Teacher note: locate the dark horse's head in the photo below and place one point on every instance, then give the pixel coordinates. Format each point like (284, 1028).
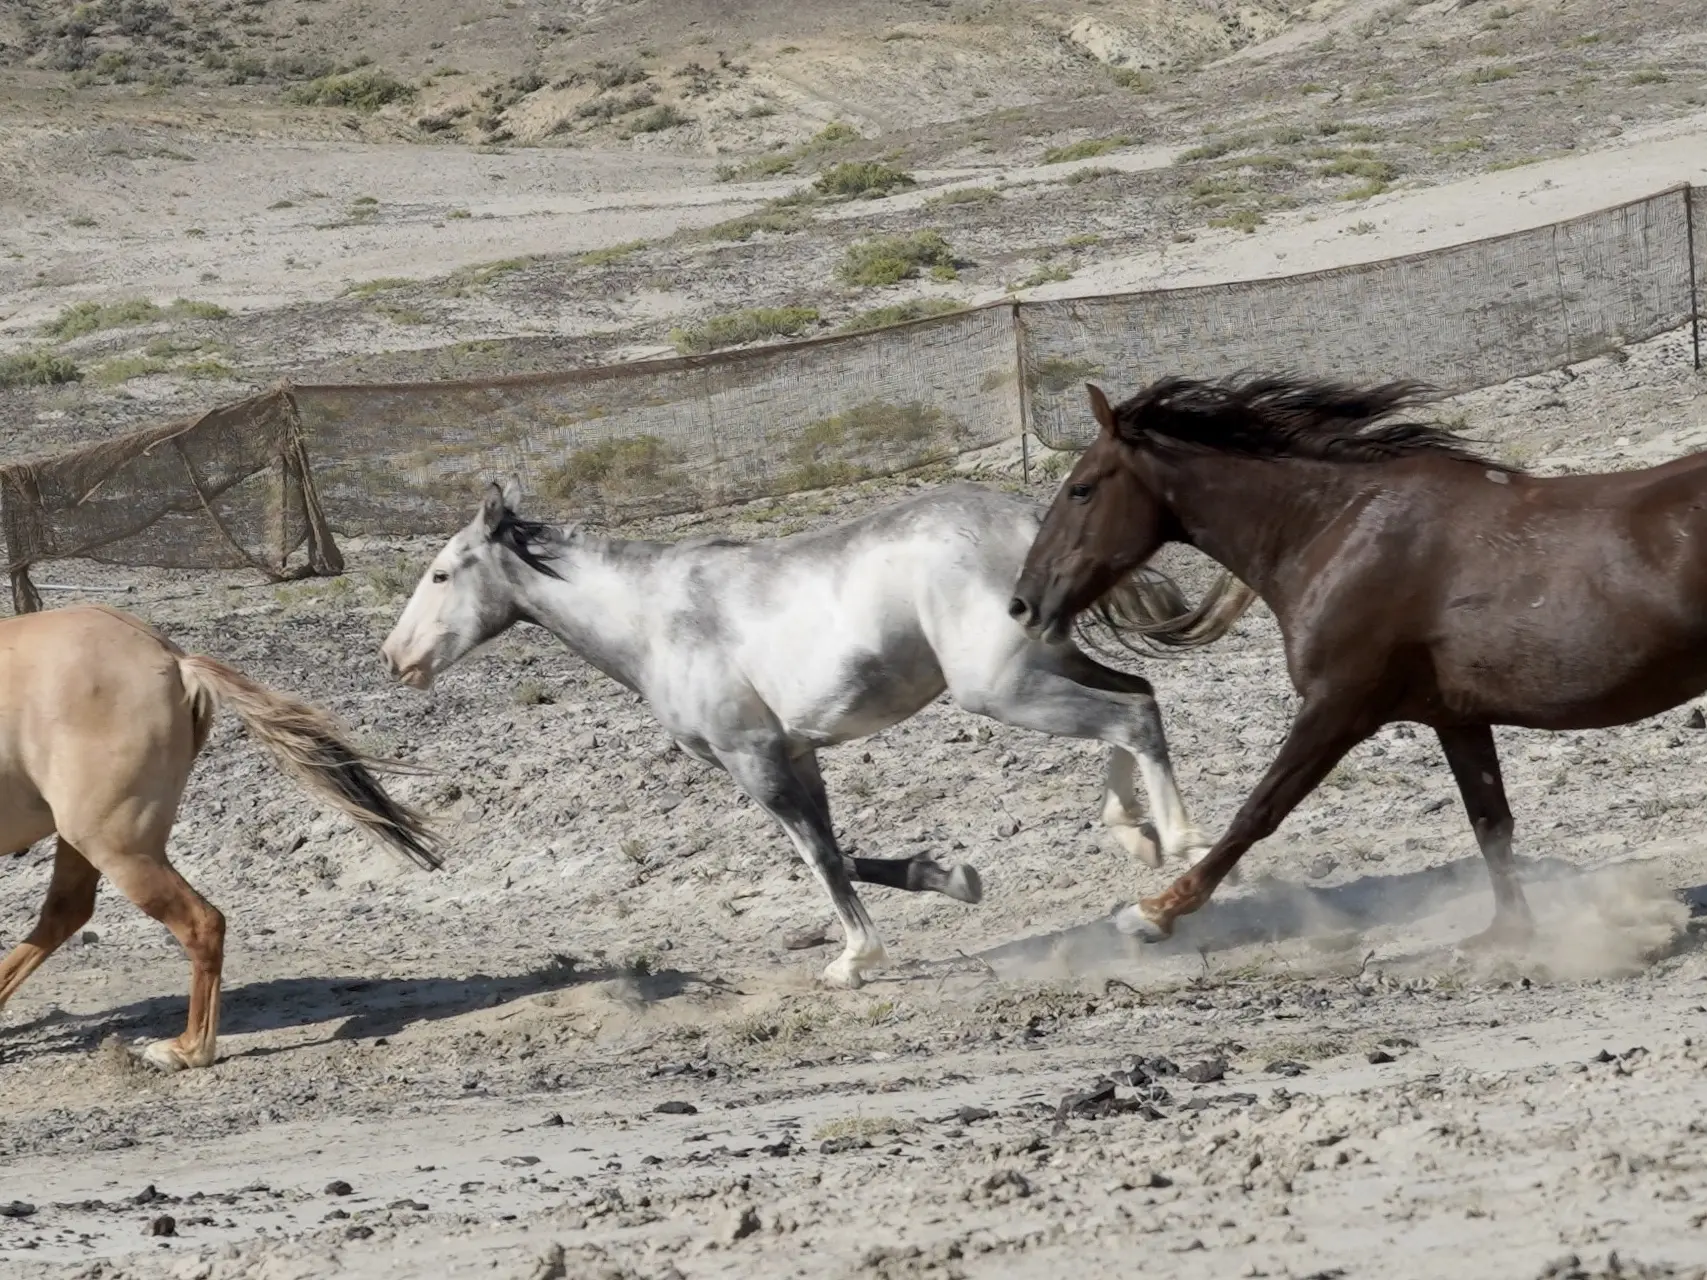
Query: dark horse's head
(1116, 506)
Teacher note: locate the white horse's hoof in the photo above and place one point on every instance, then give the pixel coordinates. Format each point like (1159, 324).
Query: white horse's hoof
(1134, 923)
(964, 885)
(1139, 842)
(848, 971)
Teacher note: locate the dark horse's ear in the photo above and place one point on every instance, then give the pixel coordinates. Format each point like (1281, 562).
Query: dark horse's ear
(493, 508)
(1099, 408)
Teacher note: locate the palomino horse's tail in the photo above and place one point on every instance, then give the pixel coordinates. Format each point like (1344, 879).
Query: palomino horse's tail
(308, 746)
(1150, 606)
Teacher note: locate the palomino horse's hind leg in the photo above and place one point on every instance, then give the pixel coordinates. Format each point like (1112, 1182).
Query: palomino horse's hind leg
(1475, 763)
(776, 782)
(70, 902)
(153, 884)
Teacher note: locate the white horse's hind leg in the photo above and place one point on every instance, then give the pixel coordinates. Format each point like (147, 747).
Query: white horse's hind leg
(1060, 691)
(774, 782)
(1120, 811)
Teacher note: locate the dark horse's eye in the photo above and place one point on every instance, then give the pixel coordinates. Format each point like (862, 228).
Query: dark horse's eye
(1079, 492)
(439, 575)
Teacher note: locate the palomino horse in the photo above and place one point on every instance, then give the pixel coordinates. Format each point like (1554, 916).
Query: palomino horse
(101, 718)
(1412, 580)
(753, 656)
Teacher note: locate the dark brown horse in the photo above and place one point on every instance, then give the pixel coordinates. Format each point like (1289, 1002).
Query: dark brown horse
(1412, 580)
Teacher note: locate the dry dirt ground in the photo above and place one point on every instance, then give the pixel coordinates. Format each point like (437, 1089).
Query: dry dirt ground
(584, 1048)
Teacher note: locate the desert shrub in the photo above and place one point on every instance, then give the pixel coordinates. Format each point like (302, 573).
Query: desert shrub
(366, 89)
(742, 326)
(862, 178)
(888, 260)
(621, 467)
(37, 368)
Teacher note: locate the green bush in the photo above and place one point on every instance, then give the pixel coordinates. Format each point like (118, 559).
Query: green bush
(892, 259)
(635, 467)
(368, 89)
(742, 326)
(862, 178)
(898, 313)
(1084, 149)
(37, 368)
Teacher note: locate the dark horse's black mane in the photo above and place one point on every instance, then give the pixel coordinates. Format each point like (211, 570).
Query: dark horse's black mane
(1281, 416)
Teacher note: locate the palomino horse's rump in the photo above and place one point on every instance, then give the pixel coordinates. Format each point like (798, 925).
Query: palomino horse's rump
(101, 720)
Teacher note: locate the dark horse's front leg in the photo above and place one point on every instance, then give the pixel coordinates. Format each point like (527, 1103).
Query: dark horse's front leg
(1321, 735)
(1476, 766)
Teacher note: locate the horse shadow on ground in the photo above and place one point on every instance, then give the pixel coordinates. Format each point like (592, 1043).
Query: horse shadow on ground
(1276, 911)
(370, 1007)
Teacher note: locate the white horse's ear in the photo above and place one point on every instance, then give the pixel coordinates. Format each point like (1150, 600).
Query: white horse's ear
(492, 509)
(513, 494)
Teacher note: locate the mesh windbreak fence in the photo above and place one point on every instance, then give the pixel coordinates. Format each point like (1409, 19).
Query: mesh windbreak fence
(1458, 318)
(214, 493)
(1698, 273)
(664, 436)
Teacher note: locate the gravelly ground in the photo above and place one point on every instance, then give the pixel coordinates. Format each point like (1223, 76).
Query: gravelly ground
(481, 1054)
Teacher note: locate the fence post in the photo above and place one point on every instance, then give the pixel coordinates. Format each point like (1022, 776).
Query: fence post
(18, 489)
(324, 557)
(1024, 402)
(1694, 283)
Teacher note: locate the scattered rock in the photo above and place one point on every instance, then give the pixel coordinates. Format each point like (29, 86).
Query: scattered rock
(358, 1232)
(971, 1115)
(1206, 1072)
(1286, 1067)
(847, 1142)
(17, 1209)
(1007, 827)
(338, 1187)
(668, 800)
(813, 935)
(1323, 867)
(552, 1121)
(676, 1109)
(519, 1162)
(149, 1195)
(90, 937)
(1378, 1057)
(1697, 719)
(551, 1265)
(1435, 806)
(743, 1223)
(1003, 1186)
(406, 1203)
(164, 1225)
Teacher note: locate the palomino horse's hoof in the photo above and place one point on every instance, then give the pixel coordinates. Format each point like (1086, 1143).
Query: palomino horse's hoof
(165, 1056)
(964, 885)
(1132, 921)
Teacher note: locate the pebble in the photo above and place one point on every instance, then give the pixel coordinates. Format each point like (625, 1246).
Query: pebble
(743, 1223)
(164, 1225)
(338, 1187)
(1379, 1056)
(17, 1209)
(675, 1108)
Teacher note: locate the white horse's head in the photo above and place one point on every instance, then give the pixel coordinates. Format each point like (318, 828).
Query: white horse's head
(467, 595)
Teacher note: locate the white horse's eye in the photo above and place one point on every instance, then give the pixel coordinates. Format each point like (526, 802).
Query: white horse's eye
(439, 575)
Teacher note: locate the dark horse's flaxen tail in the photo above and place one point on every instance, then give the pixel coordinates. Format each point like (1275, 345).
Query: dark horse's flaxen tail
(307, 744)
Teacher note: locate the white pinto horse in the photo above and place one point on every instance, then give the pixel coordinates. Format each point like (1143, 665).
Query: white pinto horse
(754, 655)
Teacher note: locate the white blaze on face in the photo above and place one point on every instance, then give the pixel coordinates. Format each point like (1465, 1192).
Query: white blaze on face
(442, 620)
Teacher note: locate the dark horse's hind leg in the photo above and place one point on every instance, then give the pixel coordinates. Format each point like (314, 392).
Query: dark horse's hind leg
(1476, 765)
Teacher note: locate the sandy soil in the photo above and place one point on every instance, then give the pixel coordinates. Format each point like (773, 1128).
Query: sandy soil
(586, 1047)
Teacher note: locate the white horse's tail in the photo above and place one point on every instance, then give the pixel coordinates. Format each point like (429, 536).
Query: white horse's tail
(1150, 608)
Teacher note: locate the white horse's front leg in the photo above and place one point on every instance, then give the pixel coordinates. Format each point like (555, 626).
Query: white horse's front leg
(773, 780)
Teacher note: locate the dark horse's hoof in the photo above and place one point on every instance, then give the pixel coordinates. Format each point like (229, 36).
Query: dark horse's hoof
(1132, 921)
